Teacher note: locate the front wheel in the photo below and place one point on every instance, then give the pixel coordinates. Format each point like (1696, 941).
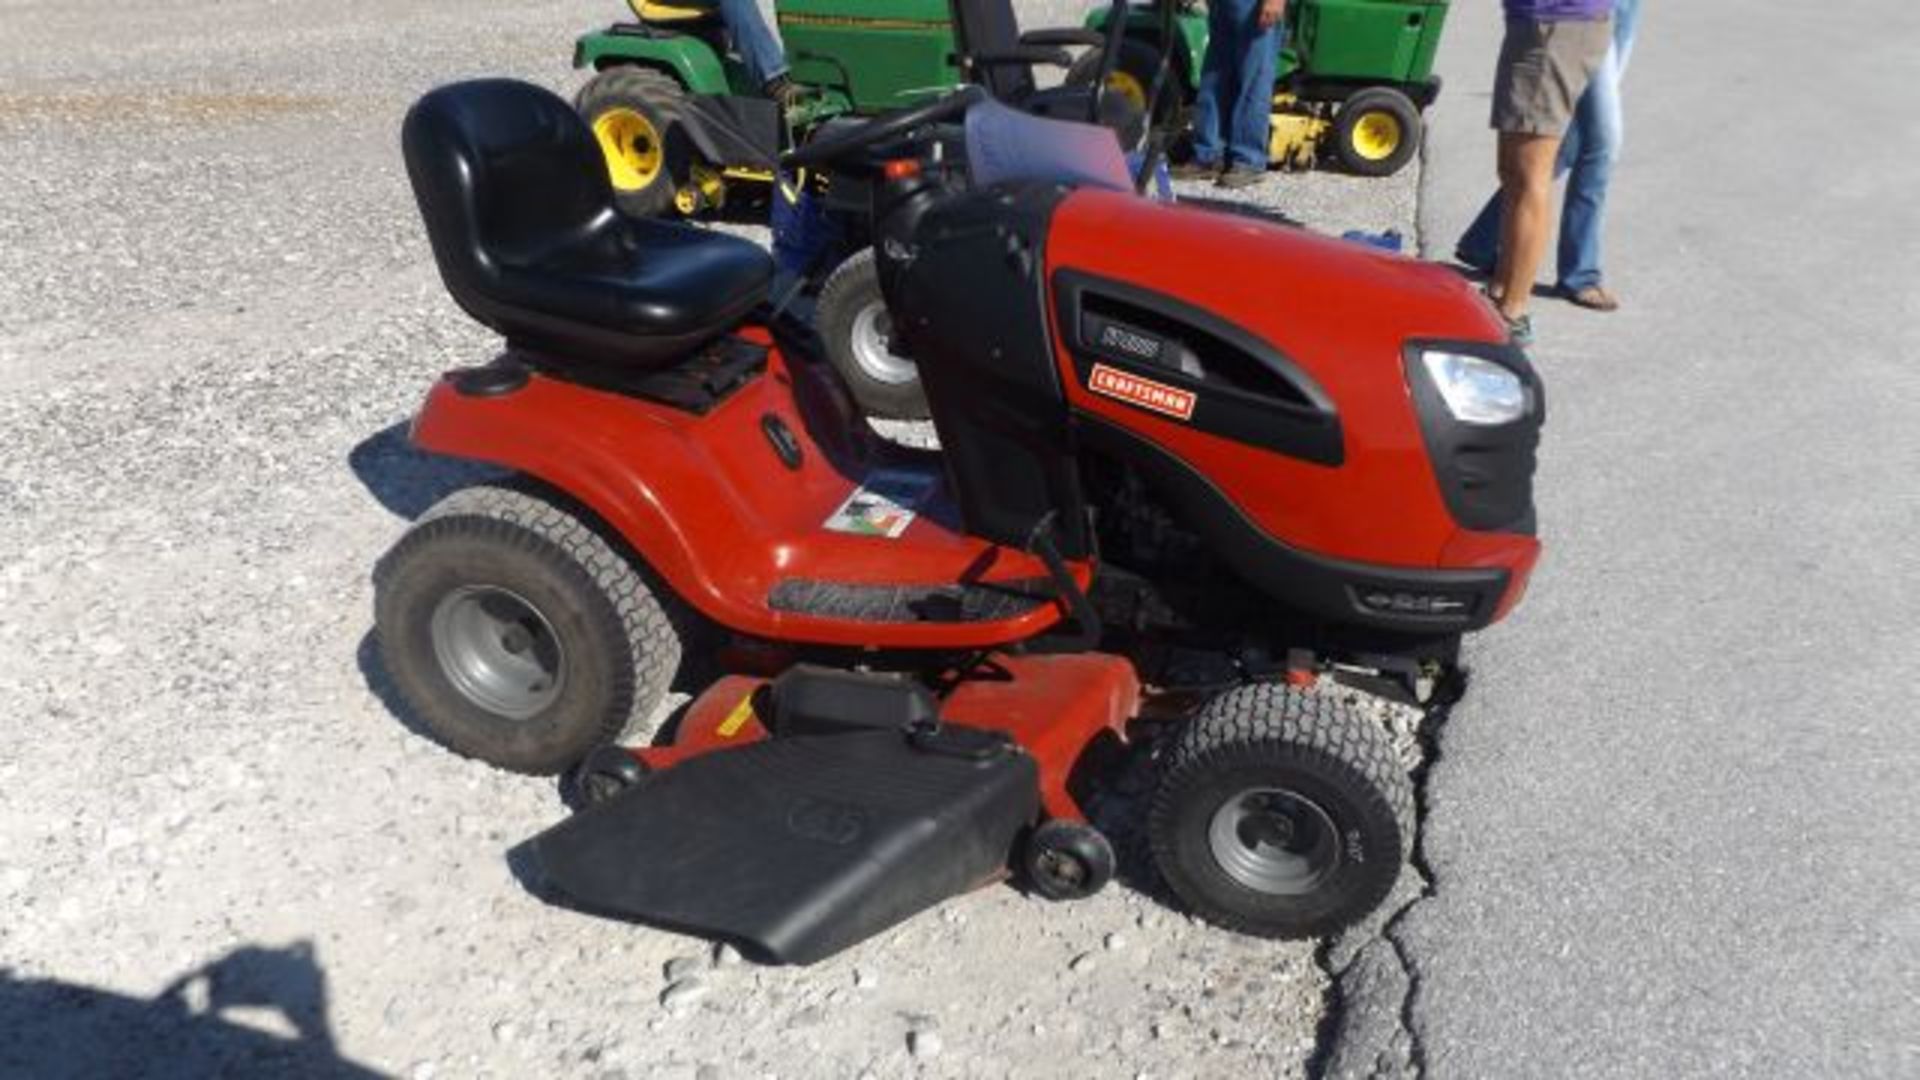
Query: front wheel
(1281, 813)
(517, 633)
(1376, 132)
(857, 332)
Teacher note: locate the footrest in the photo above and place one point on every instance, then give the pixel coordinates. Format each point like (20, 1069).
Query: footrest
(977, 602)
(796, 848)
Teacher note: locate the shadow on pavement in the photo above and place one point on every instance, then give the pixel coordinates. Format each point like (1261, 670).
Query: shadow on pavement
(255, 1012)
(1239, 209)
(374, 670)
(407, 480)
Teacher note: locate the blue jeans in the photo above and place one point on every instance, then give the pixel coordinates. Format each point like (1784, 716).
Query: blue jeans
(1236, 86)
(1587, 154)
(753, 39)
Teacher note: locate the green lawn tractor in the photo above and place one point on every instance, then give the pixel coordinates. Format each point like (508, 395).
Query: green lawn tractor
(675, 112)
(683, 126)
(1352, 78)
(680, 119)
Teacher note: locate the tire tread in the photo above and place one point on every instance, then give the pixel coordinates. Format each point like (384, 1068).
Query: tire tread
(515, 514)
(1317, 730)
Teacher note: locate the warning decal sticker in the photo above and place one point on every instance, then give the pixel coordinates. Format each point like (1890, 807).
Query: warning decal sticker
(885, 504)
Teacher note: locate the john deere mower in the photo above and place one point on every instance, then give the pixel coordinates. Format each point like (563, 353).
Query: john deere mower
(1352, 77)
(682, 124)
(680, 120)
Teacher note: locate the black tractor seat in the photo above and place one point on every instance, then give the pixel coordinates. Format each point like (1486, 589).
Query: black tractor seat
(520, 213)
(995, 54)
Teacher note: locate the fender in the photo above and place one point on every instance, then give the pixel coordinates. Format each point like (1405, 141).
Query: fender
(704, 502)
(691, 61)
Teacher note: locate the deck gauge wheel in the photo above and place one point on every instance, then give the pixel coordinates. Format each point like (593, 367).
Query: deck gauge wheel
(1068, 860)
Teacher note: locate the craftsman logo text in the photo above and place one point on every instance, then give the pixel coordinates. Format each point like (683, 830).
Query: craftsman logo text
(1145, 393)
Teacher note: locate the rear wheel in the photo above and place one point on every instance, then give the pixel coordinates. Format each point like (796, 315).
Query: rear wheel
(634, 113)
(1376, 132)
(1130, 82)
(517, 634)
(1281, 813)
(857, 332)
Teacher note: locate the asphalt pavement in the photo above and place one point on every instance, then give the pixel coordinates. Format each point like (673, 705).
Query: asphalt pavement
(1673, 829)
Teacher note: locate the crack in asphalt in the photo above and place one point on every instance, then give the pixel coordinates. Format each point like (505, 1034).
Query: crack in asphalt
(1428, 735)
(1351, 1042)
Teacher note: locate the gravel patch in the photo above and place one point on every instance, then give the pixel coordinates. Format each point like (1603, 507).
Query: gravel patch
(221, 850)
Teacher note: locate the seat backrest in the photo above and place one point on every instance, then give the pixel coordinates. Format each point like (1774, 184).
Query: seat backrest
(501, 170)
(986, 26)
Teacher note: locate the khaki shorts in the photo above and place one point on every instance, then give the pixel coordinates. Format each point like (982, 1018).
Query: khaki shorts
(1544, 68)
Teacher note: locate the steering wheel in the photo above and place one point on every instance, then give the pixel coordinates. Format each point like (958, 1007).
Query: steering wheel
(884, 128)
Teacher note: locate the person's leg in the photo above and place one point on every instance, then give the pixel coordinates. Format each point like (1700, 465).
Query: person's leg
(1479, 246)
(1593, 143)
(753, 39)
(1543, 71)
(1217, 87)
(1526, 183)
(1626, 24)
(1253, 101)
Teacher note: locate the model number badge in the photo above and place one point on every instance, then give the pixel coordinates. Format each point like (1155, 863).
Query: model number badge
(1134, 390)
(1126, 341)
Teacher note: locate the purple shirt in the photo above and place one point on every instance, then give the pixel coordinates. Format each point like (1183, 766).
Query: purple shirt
(1556, 10)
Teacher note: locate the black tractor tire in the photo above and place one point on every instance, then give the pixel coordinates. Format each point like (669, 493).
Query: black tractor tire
(634, 113)
(495, 566)
(1138, 62)
(856, 331)
(1281, 813)
(1067, 860)
(1376, 132)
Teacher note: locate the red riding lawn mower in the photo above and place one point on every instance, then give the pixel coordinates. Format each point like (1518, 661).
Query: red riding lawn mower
(1189, 464)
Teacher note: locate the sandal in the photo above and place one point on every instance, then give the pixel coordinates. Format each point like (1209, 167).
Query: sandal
(1592, 297)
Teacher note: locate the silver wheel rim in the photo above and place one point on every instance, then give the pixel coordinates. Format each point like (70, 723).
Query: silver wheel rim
(873, 346)
(498, 651)
(1274, 841)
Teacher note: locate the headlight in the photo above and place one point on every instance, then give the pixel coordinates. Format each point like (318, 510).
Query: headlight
(1477, 391)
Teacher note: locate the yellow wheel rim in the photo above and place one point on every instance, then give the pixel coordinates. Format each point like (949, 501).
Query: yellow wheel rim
(1376, 136)
(631, 146)
(1127, 87)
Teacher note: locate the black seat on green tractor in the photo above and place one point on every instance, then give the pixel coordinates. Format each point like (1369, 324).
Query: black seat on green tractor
(521, 217)
(1000, 58)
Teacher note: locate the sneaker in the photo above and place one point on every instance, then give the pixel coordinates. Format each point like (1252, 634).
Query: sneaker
(1519, 327)
(1195, 170)
(1240, 176)
(1519, 330)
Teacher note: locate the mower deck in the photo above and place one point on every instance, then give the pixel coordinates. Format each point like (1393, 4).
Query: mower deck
(842, 805)
(1053, 706)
